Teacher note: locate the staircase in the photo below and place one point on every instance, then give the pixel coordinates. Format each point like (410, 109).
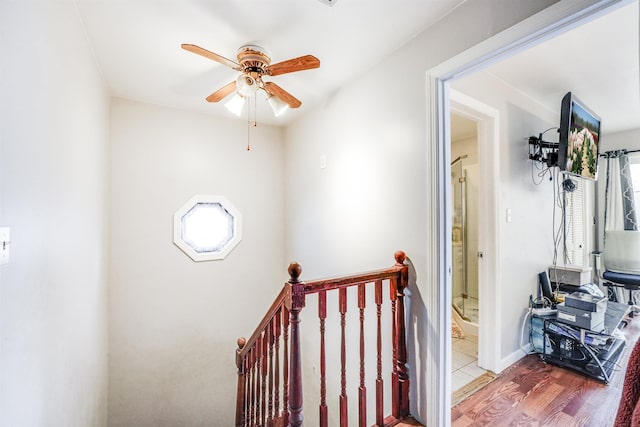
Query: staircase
(270, 362)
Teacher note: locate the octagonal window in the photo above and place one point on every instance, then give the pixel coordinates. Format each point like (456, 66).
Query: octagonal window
(207, 228)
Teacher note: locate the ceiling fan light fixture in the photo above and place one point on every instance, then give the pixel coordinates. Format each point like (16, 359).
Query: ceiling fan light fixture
(235, 104)
(278, 106)
(246, 85)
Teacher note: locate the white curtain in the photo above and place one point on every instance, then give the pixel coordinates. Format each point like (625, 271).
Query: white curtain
(620, 213)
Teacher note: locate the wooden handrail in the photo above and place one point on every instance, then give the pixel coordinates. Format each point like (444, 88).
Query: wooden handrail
(347, 281)
(264, 336)
(277, 304)
(264, 400)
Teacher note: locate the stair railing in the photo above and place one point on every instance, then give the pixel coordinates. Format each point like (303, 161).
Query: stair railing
(270, 389)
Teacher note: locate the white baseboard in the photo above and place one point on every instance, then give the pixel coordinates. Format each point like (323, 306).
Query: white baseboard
(514, 357)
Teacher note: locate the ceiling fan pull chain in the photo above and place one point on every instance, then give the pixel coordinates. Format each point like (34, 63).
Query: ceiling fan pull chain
(255, 122)
(248, 131)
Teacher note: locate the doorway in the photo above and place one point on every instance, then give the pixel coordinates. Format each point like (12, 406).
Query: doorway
(464, 255)
(480, 145)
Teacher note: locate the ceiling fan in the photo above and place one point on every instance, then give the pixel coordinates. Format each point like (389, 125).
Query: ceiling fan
(255, 62)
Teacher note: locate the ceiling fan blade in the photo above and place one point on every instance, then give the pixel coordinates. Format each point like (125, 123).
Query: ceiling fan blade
(213, 56)
(306, 62)
(222, 92)
(276, 90)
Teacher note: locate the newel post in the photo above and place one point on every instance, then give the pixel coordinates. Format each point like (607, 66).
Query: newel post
(295, 302)
(401, 344)
(241, 397)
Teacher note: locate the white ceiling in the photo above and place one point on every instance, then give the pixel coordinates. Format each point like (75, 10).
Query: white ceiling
(137, 45)
(598, 62)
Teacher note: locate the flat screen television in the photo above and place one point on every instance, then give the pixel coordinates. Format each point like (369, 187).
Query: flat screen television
(579, 143)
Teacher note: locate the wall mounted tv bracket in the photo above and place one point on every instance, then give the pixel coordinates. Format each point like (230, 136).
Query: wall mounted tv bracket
(543, 151)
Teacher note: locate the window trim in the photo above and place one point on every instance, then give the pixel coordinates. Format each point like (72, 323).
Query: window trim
(225, 250)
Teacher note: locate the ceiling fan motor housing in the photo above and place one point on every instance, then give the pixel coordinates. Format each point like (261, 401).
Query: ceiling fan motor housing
(254, 60)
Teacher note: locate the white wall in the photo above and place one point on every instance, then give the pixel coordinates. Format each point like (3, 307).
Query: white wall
(465, 146)
(372, 133)
(629, 139)
(371, 198)
(174, 322)
(53, 138)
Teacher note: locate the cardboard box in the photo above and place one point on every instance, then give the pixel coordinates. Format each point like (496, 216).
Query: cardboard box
(592, 320)
(586, 302)
(570, 275)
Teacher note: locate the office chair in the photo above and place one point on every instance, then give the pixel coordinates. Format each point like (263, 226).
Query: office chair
(622, 263)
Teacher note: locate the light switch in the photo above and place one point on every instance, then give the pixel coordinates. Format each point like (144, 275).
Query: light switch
(5, 244)
(509, 217)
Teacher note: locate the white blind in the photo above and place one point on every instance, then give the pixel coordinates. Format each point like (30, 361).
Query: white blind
(575, 225)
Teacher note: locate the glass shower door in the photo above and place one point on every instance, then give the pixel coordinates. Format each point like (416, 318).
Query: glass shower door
(458, 236)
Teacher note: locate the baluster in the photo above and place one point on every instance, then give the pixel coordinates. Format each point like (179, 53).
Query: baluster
(249, 403)
(240, 396)
(263, 368)
(403, 377)
(342, 303)
(252, 390)
(270, 409)
(322, 314)
(285, 368)
(256, 384)
(395, 386)
(258, 379)
(379, 381)
(247, 393)
(362, 390)
(297, 302)
(247, 400)
(276, 408)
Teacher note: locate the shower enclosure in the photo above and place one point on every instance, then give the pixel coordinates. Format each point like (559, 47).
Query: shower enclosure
(464, 268)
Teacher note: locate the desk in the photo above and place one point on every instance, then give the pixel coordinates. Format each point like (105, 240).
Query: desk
(592, 353)
(616, 312)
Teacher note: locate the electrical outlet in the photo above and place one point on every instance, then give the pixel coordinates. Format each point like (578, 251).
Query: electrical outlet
(323, 161)
(5, 244)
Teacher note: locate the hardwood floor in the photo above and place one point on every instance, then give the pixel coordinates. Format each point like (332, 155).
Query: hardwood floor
(532, 393)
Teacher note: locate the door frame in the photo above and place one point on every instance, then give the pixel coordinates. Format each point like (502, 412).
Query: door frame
(488, 124)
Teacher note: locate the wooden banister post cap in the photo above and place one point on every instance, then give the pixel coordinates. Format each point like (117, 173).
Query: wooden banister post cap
(400, 256)
(295, 270)
(242, 341)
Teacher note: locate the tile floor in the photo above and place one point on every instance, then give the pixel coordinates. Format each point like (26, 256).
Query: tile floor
(464, 361)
